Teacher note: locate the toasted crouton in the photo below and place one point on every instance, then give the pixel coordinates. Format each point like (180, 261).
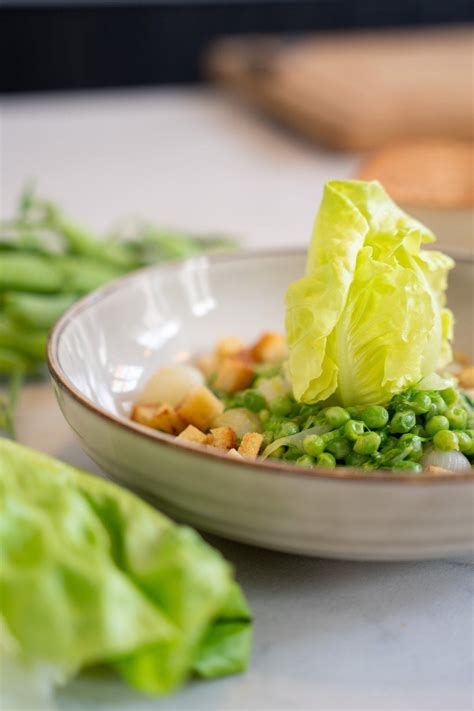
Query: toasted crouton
(200, 407)
(433, 469)
(233, 375)
(229, 346)
(159, 417)
(222, 438)
(270, 348)
(192, 434)
(233, 454)
(207, 364)
(466, 377)
(250, 445)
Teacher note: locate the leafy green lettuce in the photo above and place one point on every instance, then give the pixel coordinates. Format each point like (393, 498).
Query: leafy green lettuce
(90, 574)
(368, 319)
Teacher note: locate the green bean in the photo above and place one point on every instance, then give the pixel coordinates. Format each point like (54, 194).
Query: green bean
(13, 362)
(30, 272)
(36, 310)
(31, 344)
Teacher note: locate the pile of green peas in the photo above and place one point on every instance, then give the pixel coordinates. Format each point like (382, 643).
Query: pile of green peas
(393, 437)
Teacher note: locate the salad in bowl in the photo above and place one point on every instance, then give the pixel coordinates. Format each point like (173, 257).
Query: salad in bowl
(364, 377)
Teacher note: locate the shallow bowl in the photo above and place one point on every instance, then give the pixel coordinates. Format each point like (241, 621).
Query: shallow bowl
(108, 343)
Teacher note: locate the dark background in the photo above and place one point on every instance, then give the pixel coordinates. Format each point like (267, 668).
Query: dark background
(74, 45)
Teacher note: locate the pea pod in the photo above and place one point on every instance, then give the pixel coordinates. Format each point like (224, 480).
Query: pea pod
(39, 311)
(31, 344)
(30, 272)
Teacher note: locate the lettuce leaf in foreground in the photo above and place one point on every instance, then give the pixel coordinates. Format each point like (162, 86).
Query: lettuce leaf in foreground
(368, 319)
(90, 574)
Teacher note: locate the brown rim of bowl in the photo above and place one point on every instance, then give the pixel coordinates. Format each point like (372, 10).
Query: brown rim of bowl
(339, 473)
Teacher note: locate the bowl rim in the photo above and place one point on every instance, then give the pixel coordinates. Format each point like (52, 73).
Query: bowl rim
(272, 468)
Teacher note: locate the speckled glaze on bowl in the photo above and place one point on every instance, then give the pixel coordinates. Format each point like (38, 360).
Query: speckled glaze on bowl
(107, 344)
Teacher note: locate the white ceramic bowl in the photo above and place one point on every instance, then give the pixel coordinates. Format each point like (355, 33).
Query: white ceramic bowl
(107, 344)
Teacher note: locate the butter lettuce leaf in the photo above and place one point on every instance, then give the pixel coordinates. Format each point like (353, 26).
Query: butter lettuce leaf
(368, 318)
(92, 575)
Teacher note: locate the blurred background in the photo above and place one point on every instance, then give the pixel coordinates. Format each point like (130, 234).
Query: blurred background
(224, 115)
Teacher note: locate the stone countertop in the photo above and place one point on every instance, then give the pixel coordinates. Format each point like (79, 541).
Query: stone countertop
(328, 634)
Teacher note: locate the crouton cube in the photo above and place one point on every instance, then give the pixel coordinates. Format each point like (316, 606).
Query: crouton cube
(233, 454)
(229, 346)
(159, 417)
(270, 348)
(192, 434)
(200, 407)
(222, 438)
(207, 364)
(250, 445)
(466, 377)
(433, 469)
(233, 375)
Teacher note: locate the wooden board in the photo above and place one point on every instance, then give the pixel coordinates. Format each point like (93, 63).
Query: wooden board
(356, 90)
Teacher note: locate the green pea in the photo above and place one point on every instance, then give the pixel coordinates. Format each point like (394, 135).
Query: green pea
(287, 429)
(267, 438)
(354, 412)
(326, 460)
(305, 461)
(457, 417)
(375, 416)
(407, 466)
(313, 445)
(355, 460)
(465, 441)
(450, 396)
(402, 421)
(436, 424)
(291, 455)
(438, 402)
(367, 443)
(339, 446)
(353, 429)
(254, 401)
(281, 405)
(336, 416)
(328, 436)
(278, 453)
(420, 402)
(446, 440)
(272, 424)
(264, 415)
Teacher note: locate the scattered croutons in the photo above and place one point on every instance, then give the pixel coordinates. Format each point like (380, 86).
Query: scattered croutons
(159, 417)
(200, 407)
(207, 364)
(232, 375)
(229, 346)
(433, 469)
(466, 377)
(250, 445)
(192, 434)
(270, 348)
(233, 454)
(222, 438)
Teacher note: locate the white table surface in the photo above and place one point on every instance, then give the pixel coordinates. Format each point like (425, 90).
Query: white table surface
(328, 634)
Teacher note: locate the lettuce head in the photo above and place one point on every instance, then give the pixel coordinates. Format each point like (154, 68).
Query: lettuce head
(367, 319)
(91, 575)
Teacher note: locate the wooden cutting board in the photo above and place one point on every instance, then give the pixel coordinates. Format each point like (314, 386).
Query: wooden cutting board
(356, 90)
